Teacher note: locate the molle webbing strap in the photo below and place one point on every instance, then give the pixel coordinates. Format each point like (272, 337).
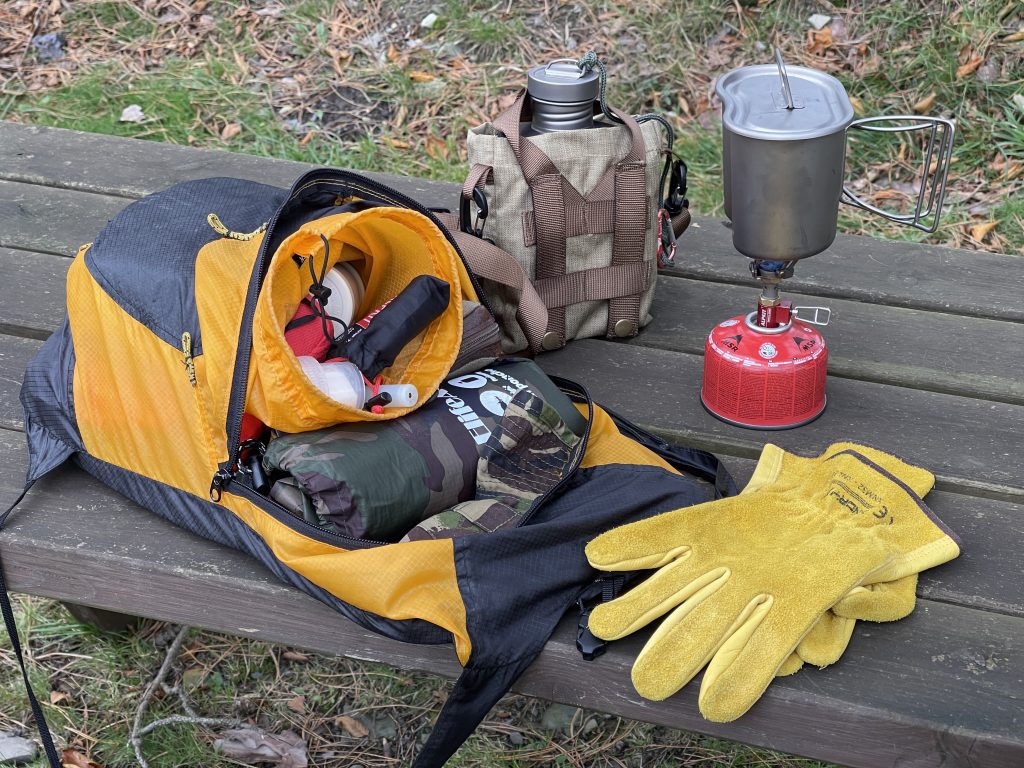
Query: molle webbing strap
(597, 284)
(549, 205)
(545, 184)
(560, 212)
(631, 221)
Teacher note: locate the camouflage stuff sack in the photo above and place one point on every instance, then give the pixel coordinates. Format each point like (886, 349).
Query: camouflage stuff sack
(350, 471)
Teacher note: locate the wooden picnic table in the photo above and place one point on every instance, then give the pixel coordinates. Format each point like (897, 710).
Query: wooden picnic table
(926, 348)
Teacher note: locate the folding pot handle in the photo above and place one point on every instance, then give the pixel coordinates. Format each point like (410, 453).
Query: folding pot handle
(933, 184)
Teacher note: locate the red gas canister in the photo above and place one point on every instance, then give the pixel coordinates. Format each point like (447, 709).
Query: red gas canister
(764, 378)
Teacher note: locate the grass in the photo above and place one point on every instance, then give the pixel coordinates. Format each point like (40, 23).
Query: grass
(350, 712)
(362, 84)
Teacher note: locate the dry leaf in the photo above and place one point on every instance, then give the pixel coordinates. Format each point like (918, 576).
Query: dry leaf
(298, 655)
(297, 705)
(352, 726)
(925, 104)
(397, 143)
(889, 194)
(1016, 37)
(857, 104)
(72, 758)
(392, 53)
(820, 41)
(437, 148)
(979, 231)
(1014, 171)
(56, 697)
(230, 130)
(418, 76)
(303, 142)
(969, 66)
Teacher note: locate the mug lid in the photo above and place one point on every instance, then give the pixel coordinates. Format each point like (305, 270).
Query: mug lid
(562, 82)
(754, 105)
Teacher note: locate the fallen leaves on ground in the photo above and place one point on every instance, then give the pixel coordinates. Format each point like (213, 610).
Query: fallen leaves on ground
(72, 758)
(352, 726)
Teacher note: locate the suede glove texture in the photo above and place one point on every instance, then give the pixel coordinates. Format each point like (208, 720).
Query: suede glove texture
(740, 581)
(888, 601)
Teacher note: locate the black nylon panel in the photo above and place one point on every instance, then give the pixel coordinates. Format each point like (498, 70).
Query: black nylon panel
(213, 522)
(48, 404)
(517, 584)
(145, 257)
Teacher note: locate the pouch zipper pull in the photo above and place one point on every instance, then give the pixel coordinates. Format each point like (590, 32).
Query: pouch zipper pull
(221, 478)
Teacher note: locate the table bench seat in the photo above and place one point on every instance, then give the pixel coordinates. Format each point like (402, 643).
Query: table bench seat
(926, 349)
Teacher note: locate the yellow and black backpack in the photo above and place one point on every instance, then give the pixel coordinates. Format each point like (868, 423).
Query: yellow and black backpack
(174, 331)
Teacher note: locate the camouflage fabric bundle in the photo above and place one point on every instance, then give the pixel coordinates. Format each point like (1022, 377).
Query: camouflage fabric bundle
(378, 480)
(525, 455)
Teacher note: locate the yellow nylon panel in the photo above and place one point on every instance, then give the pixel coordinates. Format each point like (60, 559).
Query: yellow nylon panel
(411, 580)
(390, 247)
(134, 403)
(609, 446)
(222, 275)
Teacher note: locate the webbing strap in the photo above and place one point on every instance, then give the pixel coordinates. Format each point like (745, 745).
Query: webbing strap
(12, 632)
(550, 191)
(631, 223)
(596, 284)
(492, 263)
(549, 203)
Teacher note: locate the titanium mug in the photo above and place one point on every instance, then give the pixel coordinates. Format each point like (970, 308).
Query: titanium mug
(784, 153)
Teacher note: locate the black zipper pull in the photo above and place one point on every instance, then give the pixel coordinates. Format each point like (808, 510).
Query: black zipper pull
(220, 480)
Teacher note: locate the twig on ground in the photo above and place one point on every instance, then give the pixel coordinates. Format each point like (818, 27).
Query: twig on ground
(138, 730)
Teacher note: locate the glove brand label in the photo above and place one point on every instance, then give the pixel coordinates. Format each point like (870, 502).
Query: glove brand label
(858, 498)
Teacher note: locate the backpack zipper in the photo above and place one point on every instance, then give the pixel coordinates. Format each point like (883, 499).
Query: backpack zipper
(227, 470)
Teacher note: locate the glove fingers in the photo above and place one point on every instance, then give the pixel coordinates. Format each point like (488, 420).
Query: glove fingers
(644, 544)
(689, 636)
(748, 661)
(652, 599)
(886, 601)
(827, 640)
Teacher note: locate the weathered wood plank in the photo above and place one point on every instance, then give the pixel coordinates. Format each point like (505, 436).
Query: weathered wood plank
(985, 576)
(48, 220)
(890, 345)
(15, 353)
(861, 268)
(958, 669)
(55, 157)
(936, 351)
(971, 445)
(868, 269)
(32, 292)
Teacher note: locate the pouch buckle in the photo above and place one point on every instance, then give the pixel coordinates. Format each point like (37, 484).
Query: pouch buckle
(481, 217)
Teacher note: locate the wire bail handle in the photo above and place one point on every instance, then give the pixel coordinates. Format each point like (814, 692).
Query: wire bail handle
(930, 195)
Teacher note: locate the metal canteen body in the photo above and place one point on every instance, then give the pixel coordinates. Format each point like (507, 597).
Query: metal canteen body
(562, 97)
(784, 135)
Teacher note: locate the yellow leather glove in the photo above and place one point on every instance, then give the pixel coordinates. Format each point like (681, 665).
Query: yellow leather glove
(889, 601)
(744, 579)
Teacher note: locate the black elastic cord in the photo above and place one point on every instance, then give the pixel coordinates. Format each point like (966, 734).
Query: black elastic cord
(321, 293)
(12, 631)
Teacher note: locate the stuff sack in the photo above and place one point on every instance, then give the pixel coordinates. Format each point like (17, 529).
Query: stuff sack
(174, 336)
(579, 211)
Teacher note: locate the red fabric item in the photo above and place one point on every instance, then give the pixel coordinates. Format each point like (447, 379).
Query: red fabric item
(306, 337)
